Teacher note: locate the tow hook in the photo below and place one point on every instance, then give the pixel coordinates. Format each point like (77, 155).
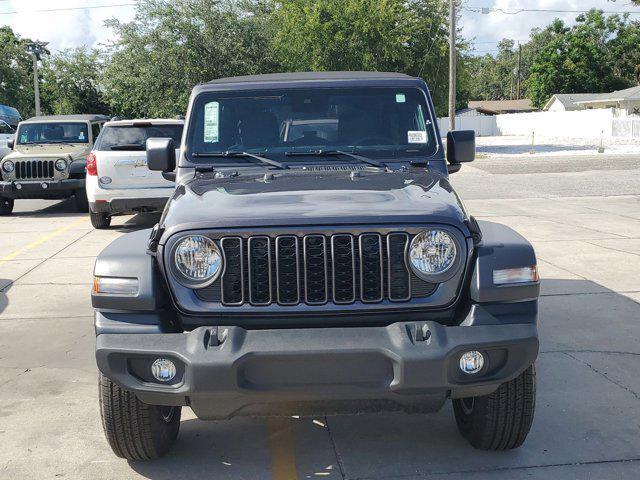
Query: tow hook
(214, 337)
(422, 333)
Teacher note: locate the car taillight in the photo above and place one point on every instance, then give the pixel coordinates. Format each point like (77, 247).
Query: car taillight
(92, 165)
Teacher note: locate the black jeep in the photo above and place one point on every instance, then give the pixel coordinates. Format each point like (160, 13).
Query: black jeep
(315, 260)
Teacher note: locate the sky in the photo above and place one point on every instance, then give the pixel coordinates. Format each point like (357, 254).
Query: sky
(72, 28)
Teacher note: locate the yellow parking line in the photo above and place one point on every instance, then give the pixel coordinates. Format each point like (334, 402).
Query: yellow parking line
(41, 240)
(282, 446)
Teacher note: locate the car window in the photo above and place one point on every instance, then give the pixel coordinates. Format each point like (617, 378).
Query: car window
(129, 137)
(380, 121)
(53, 132)
(95, 130)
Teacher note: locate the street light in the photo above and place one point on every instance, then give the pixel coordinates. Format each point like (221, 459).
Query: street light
(36, 49)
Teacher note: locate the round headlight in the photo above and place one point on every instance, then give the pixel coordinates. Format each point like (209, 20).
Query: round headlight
(432, 253)
(198, 260)
(8, 166)
(61, 164)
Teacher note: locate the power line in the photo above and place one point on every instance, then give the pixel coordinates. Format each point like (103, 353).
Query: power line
(516, 11)
(92, 7)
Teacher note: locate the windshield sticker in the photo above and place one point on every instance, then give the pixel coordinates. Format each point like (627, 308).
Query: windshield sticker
(400, 98)
(417, 137)
(211, 127)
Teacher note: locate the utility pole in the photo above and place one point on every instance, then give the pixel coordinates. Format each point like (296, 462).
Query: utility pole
(452, 64)
(518, 90)
(36, 49)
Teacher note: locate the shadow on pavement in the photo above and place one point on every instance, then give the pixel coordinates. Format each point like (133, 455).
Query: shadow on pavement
(138, 222)
(542, 148)
(5, 286)
(587, 414)
(59, 209)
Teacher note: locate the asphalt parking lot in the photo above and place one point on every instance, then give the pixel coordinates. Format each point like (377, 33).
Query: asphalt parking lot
(585, 225)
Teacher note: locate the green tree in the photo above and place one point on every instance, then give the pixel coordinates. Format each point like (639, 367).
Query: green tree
(588, 57)
(70, 83)
(380, 35)
(16, 73)
(171, 46)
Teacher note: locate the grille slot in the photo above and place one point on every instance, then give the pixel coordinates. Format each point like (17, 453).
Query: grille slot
(315, 269)
(371, 269)
(287, 268)
(259, 270)
(34, 169)
(316, 282)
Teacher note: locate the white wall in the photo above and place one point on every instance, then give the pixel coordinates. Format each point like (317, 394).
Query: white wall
(576, 124)
(573, 124)
(483, 125)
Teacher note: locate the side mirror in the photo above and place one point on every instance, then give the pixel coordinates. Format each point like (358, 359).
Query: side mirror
(161, 154)
(11, 143)
(461, 148)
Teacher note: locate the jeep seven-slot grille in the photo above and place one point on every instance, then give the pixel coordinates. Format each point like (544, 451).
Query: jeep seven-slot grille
(315, 269)
(32, 169)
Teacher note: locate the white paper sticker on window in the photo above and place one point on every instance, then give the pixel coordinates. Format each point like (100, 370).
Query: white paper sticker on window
(400, 98)
(211, 127)
(417, 137)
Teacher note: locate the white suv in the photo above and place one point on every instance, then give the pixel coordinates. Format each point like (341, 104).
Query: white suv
(118, 180)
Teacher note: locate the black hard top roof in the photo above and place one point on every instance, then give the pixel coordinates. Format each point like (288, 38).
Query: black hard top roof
(319, 79)
(68, 118)
(306, 76)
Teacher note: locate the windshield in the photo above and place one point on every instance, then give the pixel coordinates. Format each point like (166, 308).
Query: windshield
(377, 122)
(130, 137)
(5, 128)
(61, 132)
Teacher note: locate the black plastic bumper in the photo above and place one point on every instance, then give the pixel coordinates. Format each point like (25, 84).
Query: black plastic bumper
(129, 205)
(41, 188)
(228, 371)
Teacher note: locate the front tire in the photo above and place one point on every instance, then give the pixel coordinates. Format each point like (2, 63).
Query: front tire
(502, 419)
(100, 220)
(82, 202)
(6, 206)
(135, 430)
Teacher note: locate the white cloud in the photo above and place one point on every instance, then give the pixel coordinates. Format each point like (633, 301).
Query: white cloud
(63, 29)
(489, 29)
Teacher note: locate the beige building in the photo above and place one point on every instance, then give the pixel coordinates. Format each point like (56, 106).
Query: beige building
(627, 100)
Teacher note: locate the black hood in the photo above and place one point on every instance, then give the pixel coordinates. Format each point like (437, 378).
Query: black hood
(308, 198)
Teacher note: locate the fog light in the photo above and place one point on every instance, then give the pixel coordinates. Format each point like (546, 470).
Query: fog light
(44, 185)
(163, 369)
(471, 362)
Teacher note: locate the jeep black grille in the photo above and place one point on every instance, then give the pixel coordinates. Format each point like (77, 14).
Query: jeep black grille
(315, 269)
(34, 169)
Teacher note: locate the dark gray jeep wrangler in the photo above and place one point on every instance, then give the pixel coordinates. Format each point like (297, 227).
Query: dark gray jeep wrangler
(315, 260)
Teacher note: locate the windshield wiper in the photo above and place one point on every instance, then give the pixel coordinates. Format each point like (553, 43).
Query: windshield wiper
(130, 146)
(268, 161)
(335, 153)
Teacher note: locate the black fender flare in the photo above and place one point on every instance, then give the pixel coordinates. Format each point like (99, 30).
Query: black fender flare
(501, 248)
(127, 257)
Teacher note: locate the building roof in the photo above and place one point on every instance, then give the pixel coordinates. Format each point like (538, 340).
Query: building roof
(569, 100)
(625, 95)
(67, 118)
(493, 107)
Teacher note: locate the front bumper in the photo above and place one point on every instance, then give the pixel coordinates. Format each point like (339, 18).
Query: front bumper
(41, 188)
(228, 371)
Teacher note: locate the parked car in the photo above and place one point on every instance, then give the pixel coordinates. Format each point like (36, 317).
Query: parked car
(48, 159)
(118, 180)
(7, 133)
(339, 277)
(10, 115)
